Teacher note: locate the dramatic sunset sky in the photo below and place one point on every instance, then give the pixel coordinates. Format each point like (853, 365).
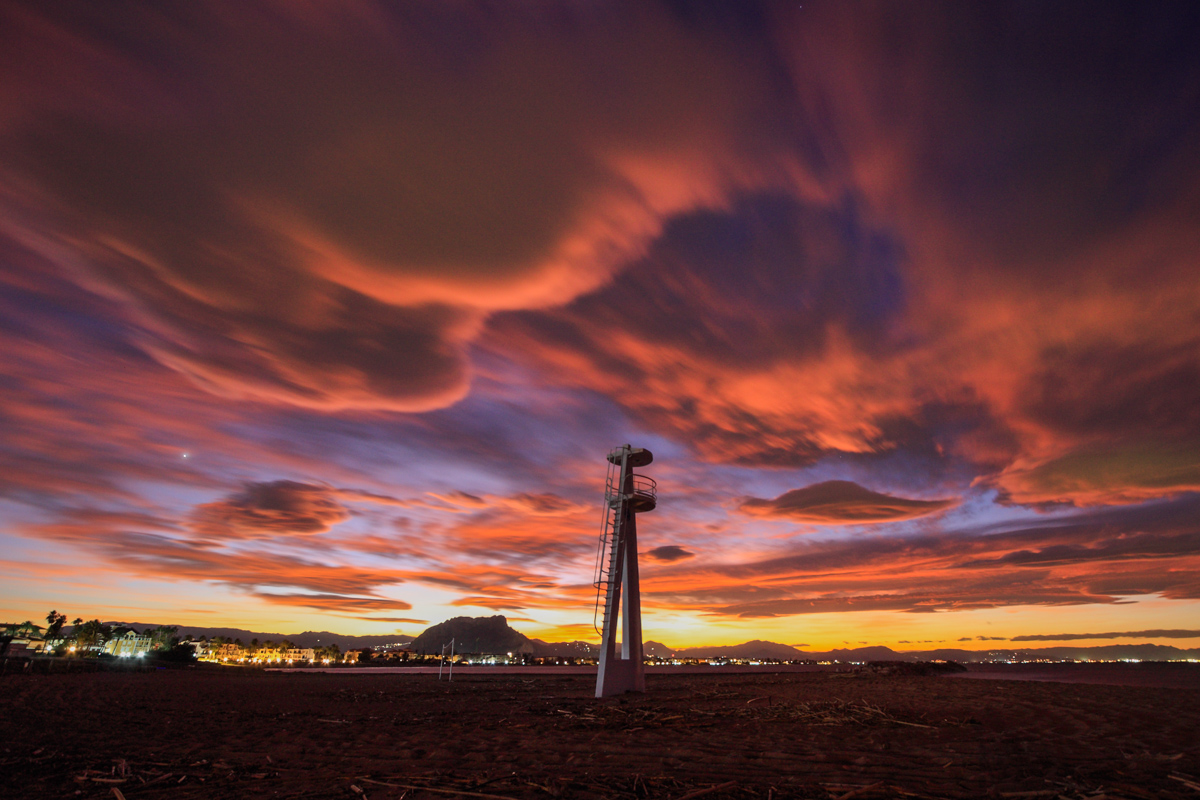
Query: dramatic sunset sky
(323, 315)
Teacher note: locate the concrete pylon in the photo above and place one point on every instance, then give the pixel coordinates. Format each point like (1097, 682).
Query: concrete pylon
(626, 495)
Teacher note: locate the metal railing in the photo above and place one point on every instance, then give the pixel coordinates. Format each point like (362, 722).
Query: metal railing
(645, 489)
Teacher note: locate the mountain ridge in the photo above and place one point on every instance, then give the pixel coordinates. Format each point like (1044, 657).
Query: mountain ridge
(303, 639)
(487, 634)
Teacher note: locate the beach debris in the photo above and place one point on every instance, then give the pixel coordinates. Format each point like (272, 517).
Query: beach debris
(764, 708)
(709, 790)
(860, 790)
(1191, 784)
(436, 790)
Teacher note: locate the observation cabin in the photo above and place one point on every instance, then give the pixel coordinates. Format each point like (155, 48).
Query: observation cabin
(643, 491)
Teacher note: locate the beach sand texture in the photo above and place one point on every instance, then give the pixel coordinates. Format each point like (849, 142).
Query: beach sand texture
(228, 733)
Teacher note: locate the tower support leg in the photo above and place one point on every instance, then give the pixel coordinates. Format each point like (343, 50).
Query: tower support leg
(622, 671)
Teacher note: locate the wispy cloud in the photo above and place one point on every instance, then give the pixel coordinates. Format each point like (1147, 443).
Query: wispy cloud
(1175, 633)
(841, 503)
(1084, 558)
(411, 219)
(335, 602)
(151, 547)
(278, 507)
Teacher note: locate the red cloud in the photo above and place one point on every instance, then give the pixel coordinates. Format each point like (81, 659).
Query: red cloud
(1030, 318)
(546, 504)
(322, 209)
(154, 548)
(336, 602)
(1081, 559)
(265, 509)
(1154, 634)
(841, 503)
(767, 251)
(1107, 473)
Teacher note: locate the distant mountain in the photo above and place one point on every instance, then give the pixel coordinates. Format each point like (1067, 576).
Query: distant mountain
(1144, 652)
(305, 639)
(587, 649)
(493, 635)
(878, 653)
(473, 635)
(576, 649)
(949, 654)
(657, 649)
(1110, 652)
(753, 649)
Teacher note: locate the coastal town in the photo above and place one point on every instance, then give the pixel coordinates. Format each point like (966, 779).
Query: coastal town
(481, 641)
(93, 639)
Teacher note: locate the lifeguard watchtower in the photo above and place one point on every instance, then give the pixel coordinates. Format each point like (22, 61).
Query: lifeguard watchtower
(626, 495)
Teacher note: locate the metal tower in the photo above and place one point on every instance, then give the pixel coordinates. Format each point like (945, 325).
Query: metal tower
(625, 495)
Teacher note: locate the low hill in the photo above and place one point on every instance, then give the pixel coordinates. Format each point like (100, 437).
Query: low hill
(1110, 652)
(588, 649)
(305, 639)
(657, 649)
(473, 635)
(576, 649)
(862, 654)
(753, 649)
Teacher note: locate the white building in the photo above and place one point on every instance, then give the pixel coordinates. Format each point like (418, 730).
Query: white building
(130, 644)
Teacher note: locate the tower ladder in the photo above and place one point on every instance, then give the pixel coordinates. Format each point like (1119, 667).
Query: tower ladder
(606, 548)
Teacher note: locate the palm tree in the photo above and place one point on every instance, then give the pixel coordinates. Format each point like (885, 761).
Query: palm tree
(164, 637)
(91, 633)
(55, 622)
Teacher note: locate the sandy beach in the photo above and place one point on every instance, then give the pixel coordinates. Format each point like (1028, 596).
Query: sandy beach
(1156, 674)
(231, 733)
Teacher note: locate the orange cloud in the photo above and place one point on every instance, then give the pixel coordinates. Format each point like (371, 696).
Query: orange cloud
(841, 503)
(285, 507)
(334, 602)
(153, 547)
(1155, 634)
(291, 225)
(783, 243)
(1077, 558)
(500, 588)
(1110, 473)
(459, 500)
(1007, 314)
(545, 504)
